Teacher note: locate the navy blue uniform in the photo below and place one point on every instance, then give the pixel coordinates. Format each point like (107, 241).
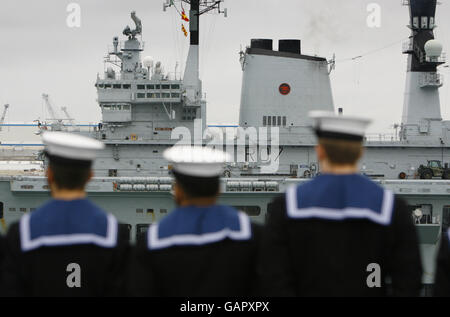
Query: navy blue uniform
(197, 251)
(66, 248)
(442, 279)
(322, 237)
(2, 254)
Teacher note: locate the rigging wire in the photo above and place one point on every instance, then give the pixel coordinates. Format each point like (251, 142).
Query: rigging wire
(343, 60)
(207, 39)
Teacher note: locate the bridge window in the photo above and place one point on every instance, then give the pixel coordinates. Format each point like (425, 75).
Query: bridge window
(157, 86)
(141, 87)
(139, 211)
(264, 121)
(1, 210)
(150, 86)
(12, 209)
(284, 121)
(424, 22)
(166, 95)
(141, 95)
(108, 86)
(175, 95)
(175, 86)
(23, 210)
(126, 86)
(279, 121)
(163, 211)
(165, 86)
(269, 120)
(115, 86)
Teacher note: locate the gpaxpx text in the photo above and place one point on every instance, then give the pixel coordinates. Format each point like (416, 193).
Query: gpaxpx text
(247, 306)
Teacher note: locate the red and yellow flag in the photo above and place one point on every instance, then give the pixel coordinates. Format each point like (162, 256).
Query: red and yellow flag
(184, 16)
(184, 30)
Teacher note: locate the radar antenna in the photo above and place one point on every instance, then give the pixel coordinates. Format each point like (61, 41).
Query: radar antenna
(138, 30)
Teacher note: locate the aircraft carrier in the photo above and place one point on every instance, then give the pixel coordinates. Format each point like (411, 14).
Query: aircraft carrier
(145, 111)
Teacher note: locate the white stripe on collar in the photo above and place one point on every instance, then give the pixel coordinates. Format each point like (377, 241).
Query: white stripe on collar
(154, 242)
(68, 239)
(383, 218)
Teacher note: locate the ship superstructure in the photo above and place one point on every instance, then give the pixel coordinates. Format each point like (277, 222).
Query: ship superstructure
(145, 111)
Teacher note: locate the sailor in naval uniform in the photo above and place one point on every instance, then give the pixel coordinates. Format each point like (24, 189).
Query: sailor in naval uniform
(442, 278)
(69, 246)
(200, 248)
(340, 234)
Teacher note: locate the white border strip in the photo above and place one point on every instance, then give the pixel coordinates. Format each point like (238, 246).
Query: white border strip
(57, 240)
(154, 242)
(383, 218)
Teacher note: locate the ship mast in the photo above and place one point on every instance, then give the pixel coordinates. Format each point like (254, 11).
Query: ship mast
(421, 110)
(191, 79)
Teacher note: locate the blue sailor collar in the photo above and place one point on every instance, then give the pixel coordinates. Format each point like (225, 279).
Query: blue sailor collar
(340, 197)
(60, 223)
(199, 226)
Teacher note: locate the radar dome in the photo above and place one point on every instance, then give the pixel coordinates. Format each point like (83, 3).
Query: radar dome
(433, 48)
(148, 61)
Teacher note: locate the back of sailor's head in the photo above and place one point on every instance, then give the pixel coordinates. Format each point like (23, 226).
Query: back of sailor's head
(70, 157)
(340, 136)
(197, 169)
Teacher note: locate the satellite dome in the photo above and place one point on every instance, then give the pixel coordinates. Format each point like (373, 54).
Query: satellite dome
(148, 61)
(433, 48)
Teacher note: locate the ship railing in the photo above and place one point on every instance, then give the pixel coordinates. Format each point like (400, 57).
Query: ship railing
(121, 46)
(439, 59)
(382, 137)
(431, 80)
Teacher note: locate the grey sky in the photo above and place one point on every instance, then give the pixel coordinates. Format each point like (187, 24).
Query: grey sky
(41, 54)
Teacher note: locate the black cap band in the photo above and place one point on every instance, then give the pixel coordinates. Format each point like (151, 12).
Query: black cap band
(338, 135)
(66, 161)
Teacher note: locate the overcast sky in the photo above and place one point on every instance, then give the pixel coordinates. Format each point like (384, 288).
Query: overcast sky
(40, 53)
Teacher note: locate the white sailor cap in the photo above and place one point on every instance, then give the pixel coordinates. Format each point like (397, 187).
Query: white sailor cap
(196, 161)
(329, 125)
(71, 146)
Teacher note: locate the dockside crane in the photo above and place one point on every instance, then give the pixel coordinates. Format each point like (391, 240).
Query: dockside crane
(57, 124)
(69, 118)
(2, 119)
